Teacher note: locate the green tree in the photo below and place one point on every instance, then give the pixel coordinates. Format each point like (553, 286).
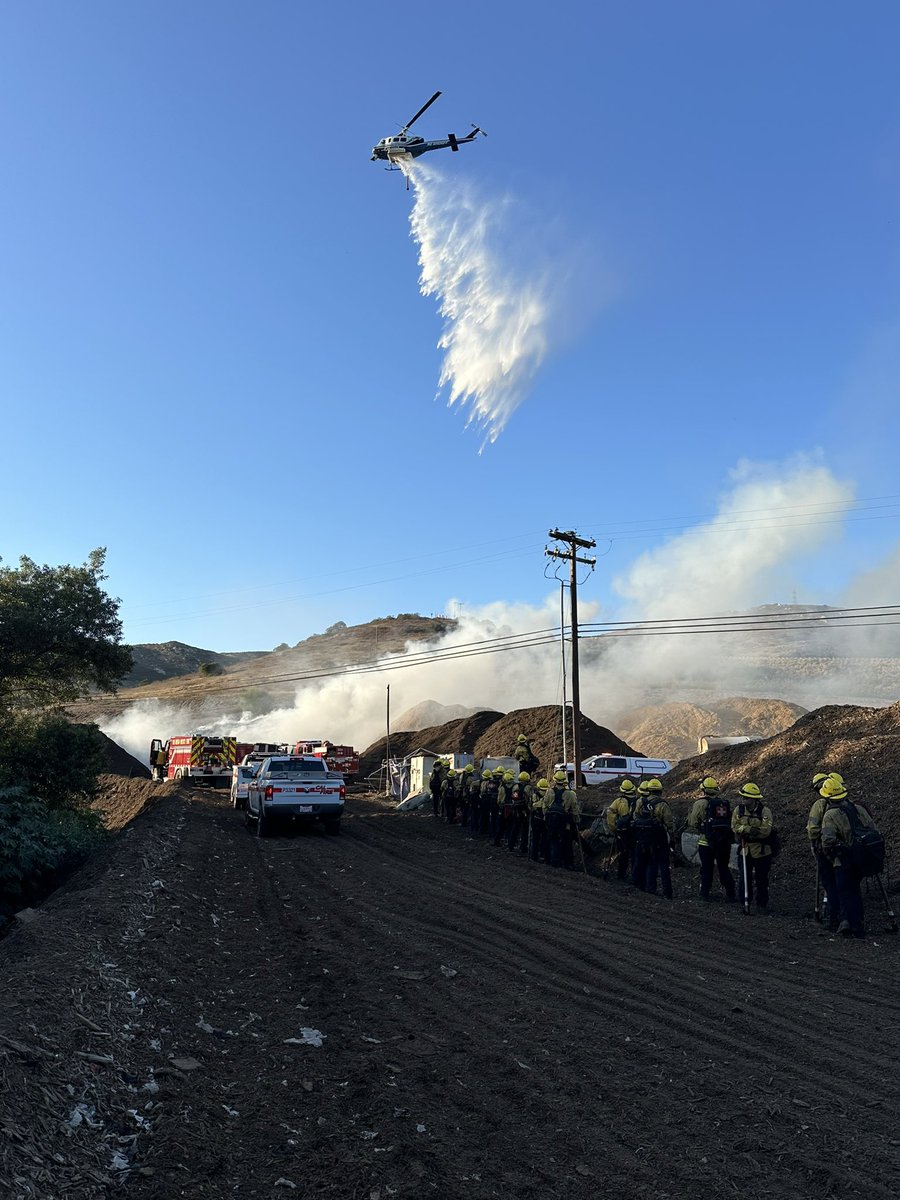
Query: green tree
(211, 668)
(60, 634)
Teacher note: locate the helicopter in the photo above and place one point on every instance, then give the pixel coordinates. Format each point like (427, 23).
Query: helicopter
(401, 147)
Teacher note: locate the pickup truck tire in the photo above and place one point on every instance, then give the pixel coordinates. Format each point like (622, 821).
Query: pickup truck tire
(333, 826)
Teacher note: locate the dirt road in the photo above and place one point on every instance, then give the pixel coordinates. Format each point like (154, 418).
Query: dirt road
(489, 1028)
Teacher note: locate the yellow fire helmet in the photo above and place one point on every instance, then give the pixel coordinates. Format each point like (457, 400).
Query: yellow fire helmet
(468, 769)
(543, 785)
(524, 777)
(560, 777)
(626, 787)
(499, 772)
(486, 774)
(833, 791)
(750, 791)
(521, 738)
(653, 785)
(709, 785)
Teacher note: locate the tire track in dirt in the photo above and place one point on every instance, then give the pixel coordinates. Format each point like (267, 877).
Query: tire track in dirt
(486, 938)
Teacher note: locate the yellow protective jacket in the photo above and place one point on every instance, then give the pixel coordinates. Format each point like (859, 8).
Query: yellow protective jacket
(836, 830)
(697, 819)
(753, 828)
(814, 821)
(537, 801)
(620, 807)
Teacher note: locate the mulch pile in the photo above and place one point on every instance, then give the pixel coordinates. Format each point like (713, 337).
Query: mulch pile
(493, 735)
(543, 728)
(672, 730)
(120, 762)
(121, 800)
(863, 744)
(453, 737)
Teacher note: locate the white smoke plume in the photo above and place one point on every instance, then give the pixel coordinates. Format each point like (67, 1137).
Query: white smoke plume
(497, 311)
(773, 517)
(770, 521)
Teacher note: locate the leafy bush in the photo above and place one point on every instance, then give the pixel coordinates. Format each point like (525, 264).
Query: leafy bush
(39, 846)
(211, 668)
(47, 755)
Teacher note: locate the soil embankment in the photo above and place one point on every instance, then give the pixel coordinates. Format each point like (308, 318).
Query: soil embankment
(490, 1027)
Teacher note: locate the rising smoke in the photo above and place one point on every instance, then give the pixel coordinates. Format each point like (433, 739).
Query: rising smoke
(499, 313)
(769, 521)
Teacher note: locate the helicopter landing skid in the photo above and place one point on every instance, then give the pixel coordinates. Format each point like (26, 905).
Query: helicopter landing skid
(394, 168)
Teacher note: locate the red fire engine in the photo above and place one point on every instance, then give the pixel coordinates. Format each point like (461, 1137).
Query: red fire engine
(196, 757)
(344, 760)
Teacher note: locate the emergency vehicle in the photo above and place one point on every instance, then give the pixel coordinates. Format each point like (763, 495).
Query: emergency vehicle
(196, 757)
(343, 760)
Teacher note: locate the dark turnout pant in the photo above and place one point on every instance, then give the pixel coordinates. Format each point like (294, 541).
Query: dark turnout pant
(711, 857)
(538, 838)
(758, 877)
(828, 880)
(848, 885)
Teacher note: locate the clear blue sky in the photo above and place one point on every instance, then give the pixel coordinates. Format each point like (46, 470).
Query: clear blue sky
(214, 359)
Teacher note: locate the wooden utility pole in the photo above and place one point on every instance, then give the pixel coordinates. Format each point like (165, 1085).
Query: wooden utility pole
(574, 542)
(387, 751)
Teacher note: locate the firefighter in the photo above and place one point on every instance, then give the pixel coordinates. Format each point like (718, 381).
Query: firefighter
(653, 826)
(517, 832)
(561, 814)
(464, 794)
(827, 877)
(449, 789)
(751, 823)
(477, 803)
(524, 755)
(619, 817)
(840, 844)
(711, 819)
(159, 764)
(495, 827)
(537, 824)
(435, 781)
(488, 801)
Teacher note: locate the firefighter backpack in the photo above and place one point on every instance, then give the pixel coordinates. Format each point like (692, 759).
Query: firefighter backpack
(866, 851)
(717, 826)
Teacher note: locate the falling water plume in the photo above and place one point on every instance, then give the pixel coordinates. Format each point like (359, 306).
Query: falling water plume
(496, 313)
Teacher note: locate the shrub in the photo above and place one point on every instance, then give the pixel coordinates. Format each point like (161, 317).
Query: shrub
(40, 846)
(211, 668)
(47, 755)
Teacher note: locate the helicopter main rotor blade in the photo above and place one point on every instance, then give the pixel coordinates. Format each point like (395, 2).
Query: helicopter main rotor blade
(409, 124)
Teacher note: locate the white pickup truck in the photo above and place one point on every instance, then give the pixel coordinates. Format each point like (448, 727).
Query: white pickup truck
(295, 787)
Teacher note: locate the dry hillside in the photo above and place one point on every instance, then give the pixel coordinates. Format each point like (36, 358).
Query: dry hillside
(671, 730)
(267, 678)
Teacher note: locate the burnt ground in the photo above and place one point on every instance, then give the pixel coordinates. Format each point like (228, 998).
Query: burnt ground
(492, 1028)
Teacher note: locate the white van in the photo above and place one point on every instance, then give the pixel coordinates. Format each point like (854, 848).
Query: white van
(601, 767)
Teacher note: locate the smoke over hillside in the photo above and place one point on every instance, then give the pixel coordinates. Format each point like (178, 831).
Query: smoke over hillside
(769, 522)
